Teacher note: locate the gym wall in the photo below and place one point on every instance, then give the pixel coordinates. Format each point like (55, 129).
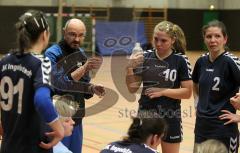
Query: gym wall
(191, 21)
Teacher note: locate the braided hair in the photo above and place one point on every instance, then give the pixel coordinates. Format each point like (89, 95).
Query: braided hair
(29, 27)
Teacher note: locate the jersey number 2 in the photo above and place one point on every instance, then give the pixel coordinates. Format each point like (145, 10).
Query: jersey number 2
(9, 94)
(216, 81)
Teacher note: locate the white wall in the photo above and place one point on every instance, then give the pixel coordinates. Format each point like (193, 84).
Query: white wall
(182, 4)
(231, 4)
(27, 2)
(191, 4)
(123, 3)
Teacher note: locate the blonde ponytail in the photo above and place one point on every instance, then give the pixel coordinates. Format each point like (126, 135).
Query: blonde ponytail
(175, 32)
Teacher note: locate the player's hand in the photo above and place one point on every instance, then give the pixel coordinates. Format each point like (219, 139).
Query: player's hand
(235, 101)
(232, 118)
(93, 63)
(154, 92)
(98, 90)
(55, 139)
(135, 60)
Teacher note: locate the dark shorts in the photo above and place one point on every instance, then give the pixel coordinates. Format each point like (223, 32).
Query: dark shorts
(232, 143)
(174, 132)
(212, 128)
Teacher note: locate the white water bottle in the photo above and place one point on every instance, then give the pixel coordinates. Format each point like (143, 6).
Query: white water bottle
(137, 48)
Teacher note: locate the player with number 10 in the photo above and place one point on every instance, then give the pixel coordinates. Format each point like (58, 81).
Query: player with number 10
(166, 76)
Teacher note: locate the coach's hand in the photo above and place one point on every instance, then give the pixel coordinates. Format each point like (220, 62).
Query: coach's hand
(93, 63)
(98, 90)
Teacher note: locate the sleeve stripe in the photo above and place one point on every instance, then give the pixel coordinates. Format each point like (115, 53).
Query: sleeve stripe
(46, 68)
(234, 58)
(188, 64)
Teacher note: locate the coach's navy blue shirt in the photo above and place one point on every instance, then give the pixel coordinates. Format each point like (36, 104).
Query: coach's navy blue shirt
(69, 59)
(218, 81)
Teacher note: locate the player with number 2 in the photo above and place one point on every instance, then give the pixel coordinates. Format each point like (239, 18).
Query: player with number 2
(216, 78)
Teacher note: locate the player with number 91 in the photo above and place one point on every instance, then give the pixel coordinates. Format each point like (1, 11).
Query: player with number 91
(26, 104)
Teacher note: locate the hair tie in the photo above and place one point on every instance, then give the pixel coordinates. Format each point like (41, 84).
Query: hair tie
(42, 23)
(36, 22)
(168, 27)
(28, 14)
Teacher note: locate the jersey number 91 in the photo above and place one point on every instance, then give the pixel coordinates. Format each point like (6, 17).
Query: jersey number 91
(8, 94)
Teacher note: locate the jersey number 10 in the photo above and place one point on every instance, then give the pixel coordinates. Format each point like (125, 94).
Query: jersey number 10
(9, 94)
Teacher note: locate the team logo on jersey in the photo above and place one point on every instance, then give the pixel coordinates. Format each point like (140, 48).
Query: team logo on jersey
(210, 70)
(160, 66)
(118, 149)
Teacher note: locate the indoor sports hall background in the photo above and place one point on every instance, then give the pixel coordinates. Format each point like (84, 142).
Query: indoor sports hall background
(113, 27)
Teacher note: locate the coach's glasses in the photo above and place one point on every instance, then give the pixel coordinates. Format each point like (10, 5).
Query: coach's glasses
(74, 35)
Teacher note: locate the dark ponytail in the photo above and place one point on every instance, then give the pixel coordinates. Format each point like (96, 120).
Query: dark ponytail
(29, 27)
(142, 128)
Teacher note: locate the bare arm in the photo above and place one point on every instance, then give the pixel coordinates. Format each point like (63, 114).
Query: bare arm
(92, 63)
(195, 94)
(184, 92)
(235, 101)
(78, 73)
(133, 82)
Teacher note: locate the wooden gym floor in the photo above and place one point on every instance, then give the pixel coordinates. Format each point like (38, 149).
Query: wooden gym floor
(101, 128)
